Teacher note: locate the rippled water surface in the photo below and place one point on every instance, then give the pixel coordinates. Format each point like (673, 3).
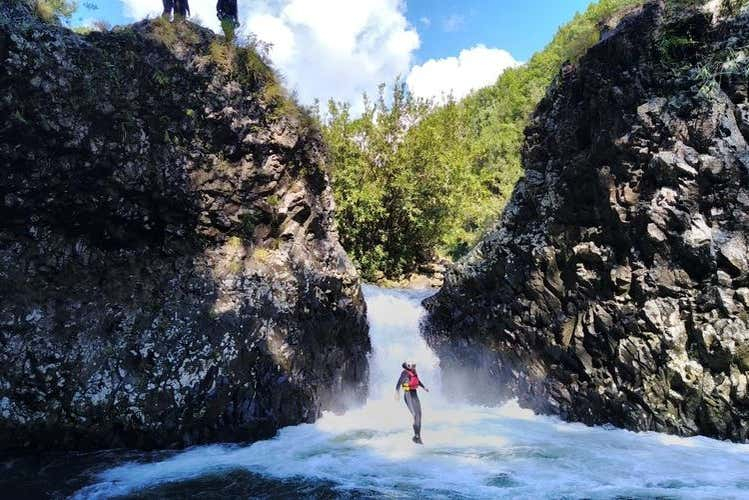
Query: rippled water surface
(469, 451)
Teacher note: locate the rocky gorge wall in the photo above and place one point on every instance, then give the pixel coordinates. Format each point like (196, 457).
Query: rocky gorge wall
(169, 269)
(615, 288)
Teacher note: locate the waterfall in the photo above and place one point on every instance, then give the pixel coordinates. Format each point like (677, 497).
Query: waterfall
(469, 451)
(394, 329)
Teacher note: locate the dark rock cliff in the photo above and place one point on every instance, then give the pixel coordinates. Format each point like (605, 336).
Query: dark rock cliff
(615, 288)
(169, 269)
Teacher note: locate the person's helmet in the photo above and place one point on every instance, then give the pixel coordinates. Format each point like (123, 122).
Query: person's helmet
(410, 364)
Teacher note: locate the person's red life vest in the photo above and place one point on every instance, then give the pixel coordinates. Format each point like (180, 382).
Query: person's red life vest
(413, 381)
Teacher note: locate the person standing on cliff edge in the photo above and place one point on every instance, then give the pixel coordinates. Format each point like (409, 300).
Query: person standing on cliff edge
(409, 381)
(227, 13)
(226, 10)
(181, 9)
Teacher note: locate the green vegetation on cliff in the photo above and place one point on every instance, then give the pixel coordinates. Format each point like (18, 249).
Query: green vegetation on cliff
(414, 180)
(52, 11)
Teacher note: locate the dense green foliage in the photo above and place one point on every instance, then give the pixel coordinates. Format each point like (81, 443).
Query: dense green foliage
(53, 11)
(395, 190)
(414, 180)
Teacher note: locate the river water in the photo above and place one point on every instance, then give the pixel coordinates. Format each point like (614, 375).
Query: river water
(468, 451)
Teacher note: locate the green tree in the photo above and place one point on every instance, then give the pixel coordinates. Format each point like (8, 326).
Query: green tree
(413, 180)
(380, 209)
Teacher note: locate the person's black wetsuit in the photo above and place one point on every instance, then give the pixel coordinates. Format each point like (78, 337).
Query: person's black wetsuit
(180, 7)
(168, 7)
(411, 397)
(227, 11)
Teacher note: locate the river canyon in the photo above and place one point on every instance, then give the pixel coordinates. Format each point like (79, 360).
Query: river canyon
(469, 451)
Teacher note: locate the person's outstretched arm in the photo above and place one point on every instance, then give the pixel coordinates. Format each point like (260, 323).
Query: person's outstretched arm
(401, 380)
(422, 385)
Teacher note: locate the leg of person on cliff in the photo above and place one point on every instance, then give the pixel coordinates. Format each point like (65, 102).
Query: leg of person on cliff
(168, 8)
(409, 381)
(227, 13)
(227, 10)
(181, 9)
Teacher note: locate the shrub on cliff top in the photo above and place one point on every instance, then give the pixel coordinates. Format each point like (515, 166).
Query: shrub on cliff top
(53, 11)
(247, 61)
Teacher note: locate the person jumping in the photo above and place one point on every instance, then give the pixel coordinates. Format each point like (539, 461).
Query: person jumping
(409, 381)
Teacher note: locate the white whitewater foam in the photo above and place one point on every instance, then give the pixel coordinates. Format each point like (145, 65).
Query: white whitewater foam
(469, 451)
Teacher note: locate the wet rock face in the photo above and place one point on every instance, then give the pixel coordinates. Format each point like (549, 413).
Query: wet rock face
(615, 289)
(169, 269)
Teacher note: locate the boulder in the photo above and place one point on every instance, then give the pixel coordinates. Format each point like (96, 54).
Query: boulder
(643, 206)
(170, 273)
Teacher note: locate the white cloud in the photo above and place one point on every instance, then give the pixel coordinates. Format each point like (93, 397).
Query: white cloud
(271, 29)
(341, 48)
(426, 21)
(324, 48)
(474, 68)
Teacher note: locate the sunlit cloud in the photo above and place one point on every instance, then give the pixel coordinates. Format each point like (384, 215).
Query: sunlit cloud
(474, 68)
(324, 48)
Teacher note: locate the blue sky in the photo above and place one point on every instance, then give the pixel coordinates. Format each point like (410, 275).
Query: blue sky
(341, 48)
(520, 26)
(111, 11)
